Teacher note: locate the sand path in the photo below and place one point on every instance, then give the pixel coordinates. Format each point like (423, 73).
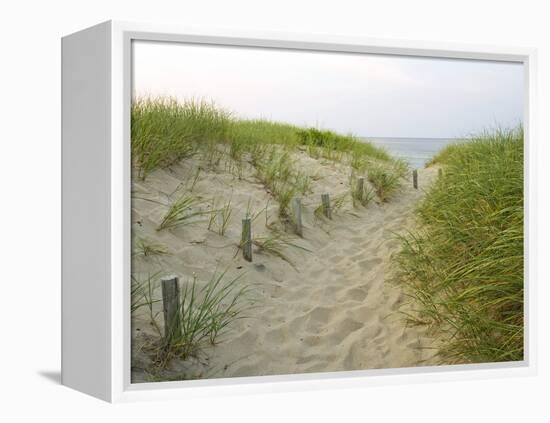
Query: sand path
(339, 311)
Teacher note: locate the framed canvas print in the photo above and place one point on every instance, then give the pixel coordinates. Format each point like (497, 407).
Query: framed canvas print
(252, 212)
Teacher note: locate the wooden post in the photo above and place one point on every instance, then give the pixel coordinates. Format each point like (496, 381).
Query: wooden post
(360, 189)
(327, 211)
(297, 215)
(415, 179)
(171, 308)
(440, 172)
(246, 239)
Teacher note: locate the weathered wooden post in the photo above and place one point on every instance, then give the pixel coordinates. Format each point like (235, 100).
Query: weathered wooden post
(171, 308)
(297, 215)
(360, 189)
(415, 179)
(440, 172)
(246, 239)
(325, 200)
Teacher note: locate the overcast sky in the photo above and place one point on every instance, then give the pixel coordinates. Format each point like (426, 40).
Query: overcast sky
(367, 95)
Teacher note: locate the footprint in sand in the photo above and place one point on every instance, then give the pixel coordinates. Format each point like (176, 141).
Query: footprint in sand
(344, 329)
(355, 357)
(318, 318)
(336, 259)
(356, 294)
(307, 359)
(370, 263)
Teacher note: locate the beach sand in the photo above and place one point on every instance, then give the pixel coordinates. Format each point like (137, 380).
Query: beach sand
(332, 308)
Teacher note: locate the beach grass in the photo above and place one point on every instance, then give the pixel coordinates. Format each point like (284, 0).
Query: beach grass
(333, 146)
(207, 311)
(166, 131)
(219, 218)
(464, 265)
(146, 248)
(360, 196)
(275, 243)
(385, 179)
(181, 212)
(143, 295)
(279, 174)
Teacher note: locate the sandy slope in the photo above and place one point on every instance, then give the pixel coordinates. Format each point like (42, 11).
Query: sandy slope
(332, 310)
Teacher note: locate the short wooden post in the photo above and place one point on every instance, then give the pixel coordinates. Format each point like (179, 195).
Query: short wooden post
(297, 215)
(325, 200)
(171, 307)
(415, 179)
(360, 189)
(246, 239)
(440, 172)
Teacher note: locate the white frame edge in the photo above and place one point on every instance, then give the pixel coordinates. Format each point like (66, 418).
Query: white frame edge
(118, 164)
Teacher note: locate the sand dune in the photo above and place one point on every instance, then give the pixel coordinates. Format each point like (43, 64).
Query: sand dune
(331, 308)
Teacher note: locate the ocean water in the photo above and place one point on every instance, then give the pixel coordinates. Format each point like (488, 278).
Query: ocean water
(416, 151)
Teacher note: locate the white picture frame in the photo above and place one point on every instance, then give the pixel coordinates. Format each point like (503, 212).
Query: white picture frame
(96, 93)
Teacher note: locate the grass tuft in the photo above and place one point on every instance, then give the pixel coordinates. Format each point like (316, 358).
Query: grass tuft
(465, 265)
(360, 196)
(146, 248)
(221, 217)
(180, 213)
(164, 131)
(386, 178)
(207, 312)
(275, 243)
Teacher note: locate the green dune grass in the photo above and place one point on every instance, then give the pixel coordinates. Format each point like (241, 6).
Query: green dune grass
(464, 266)
(165, 131)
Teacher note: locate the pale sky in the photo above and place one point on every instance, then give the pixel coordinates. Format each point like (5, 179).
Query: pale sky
(367, 95)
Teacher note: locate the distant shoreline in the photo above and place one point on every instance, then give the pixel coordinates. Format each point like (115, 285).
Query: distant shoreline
(416, 151)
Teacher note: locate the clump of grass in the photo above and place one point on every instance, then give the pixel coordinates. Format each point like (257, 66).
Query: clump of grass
(225, 217)
(260, 132)
(146, 248)
(464, 266)
(142, 295)
(277, 172)
(220, 217)
(213, 215)
(337, 202)
(251, 213)
(334, 146)
(360, 196)
(195, 179)
(137, 294)
(275, 243)
(180, 213)
(284, 193)
(318, 212)
(206, 312)
(164, 131)
(386, 178)
(358, 161)
(302, 183)
(314, 151)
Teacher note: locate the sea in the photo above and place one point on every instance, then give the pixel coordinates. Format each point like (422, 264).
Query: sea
(416, 151)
